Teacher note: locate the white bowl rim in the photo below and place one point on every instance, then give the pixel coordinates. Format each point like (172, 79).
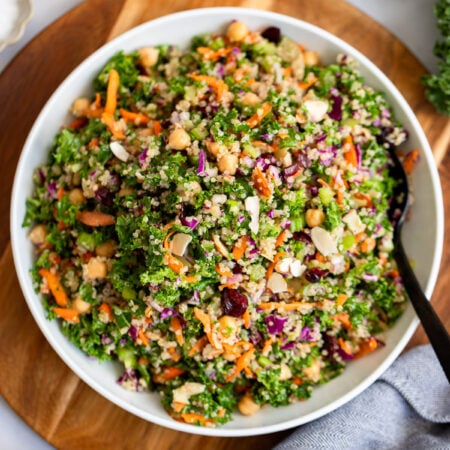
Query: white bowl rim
(15, 223)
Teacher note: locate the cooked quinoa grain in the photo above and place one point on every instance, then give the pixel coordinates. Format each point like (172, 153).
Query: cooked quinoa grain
(215, 219)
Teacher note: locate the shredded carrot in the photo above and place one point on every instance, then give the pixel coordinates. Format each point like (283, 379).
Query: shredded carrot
(109, 121)
(350, 154)
(344, 318)
(249, 82)
(95, 218)
(55, 286)
(178, 330)
(218, 85)
(98, 101)
(364, 197)
(263, 146)
(366, 347)
(267, 346)
(246, 318)
(60, 193)
(168, 373)
(213, 55)
(287, 72)
(190, 278)
(410, 161)
(239, 248)
(137, 118)
(194, 418)
(111, 91)
(223, 272)
(281, 238)
(198, 346)
(308, 83)
(261, 183)
(174, 263)
(174, 354)
(368, 245)
(68, 314)
(394, 273)
(273, 263)
(341, 299)
(285, 306)
(297, 381)
(241, 363)
(207, 326)
(104, 307)
(259, 115)
(166, 244)
(344, 346)
(143, 338)
(178, 406)
(320, 257)
(93, 142)
(157, 127)
(77, 123)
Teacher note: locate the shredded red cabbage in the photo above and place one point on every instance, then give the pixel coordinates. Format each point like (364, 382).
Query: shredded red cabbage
(275, 324)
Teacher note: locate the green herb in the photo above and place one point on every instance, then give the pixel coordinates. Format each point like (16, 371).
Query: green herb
(438, 85)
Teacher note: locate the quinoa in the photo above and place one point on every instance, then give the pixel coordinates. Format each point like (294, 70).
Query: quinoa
(228, 241)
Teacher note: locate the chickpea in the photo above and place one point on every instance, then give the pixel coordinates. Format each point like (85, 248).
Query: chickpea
(80, 105)
(81, 306)
(38, 234)
(314, 217)
(124, 191)
(76, 196)
(148, 56)
(247, 405)
(228, 163)
(215, 148)
(284, 156)
(250, 99)
(310, 58)
(237, 31)
(76, 179)
(228, 325)
(106, 249)
(179, 139)
(96, 268)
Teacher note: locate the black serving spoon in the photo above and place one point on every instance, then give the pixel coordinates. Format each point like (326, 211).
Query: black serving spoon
(435, 330)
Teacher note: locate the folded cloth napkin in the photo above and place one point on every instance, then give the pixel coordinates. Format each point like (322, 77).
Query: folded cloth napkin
(408, 407)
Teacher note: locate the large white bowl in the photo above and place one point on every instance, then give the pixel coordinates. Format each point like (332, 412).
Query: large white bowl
(423, 235)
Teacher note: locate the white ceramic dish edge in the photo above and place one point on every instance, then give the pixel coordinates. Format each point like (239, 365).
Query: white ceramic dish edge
(25, 15)
(252, 426)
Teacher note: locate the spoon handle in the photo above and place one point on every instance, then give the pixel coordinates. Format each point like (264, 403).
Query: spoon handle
(434, 328)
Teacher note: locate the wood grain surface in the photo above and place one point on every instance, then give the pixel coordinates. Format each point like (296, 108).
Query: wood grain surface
(35, 382)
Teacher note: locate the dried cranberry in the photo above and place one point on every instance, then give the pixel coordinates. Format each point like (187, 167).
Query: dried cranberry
(104, 196)
(302, 237)
(291, 170)
(272, 34)
(237, 269)
(315, 274)
(233, 302)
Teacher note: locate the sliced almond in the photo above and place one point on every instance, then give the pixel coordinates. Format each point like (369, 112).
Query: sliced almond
(353, 222)
(297, 268)
(119, 151)
(276, 283)
(324, 241)
(252, 207)
(179, 244)
(220, 247)
(316, 109)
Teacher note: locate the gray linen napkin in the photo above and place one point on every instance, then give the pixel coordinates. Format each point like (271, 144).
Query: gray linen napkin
(408, 407)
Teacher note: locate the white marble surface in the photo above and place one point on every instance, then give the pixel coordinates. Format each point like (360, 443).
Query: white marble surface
(412, 21)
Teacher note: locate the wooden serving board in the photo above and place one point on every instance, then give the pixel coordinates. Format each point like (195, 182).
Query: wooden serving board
(35, 382)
